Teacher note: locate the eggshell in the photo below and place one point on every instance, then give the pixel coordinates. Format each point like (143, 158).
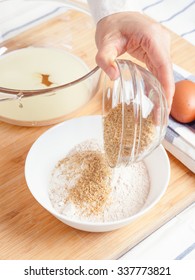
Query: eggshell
(183, 106)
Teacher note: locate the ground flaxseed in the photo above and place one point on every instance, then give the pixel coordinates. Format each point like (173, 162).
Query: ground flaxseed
(125, 133)
(83, 187)
(92, 188)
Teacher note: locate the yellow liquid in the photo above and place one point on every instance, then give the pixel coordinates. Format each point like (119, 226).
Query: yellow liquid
(37, 68)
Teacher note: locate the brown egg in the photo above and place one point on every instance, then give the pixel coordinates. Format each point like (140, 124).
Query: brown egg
(183, 106)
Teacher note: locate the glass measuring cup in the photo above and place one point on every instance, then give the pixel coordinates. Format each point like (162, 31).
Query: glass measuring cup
(134, 113)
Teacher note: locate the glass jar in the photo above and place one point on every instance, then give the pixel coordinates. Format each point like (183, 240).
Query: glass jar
(135, 114)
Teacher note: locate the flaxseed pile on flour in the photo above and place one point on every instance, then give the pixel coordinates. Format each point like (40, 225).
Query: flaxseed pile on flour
(83, 187)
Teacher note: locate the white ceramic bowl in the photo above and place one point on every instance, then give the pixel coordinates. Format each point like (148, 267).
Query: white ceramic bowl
(54, 144)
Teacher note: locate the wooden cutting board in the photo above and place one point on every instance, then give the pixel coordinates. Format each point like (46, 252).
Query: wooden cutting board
(27, 231)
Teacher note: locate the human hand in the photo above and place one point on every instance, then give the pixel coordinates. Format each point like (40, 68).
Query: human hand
(143, 39)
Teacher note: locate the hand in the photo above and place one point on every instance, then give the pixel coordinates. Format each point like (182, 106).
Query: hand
(143, 39)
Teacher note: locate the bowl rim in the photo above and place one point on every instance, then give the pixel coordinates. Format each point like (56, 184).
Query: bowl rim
(26, 93)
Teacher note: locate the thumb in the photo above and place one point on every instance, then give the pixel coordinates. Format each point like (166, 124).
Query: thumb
(105, 58)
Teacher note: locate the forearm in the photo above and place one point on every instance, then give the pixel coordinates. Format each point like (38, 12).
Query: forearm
(102, 8)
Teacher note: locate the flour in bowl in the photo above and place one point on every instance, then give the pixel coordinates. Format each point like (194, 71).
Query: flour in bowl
(83, 187)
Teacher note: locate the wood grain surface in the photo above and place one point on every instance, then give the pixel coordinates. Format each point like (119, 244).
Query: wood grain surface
(27, 231)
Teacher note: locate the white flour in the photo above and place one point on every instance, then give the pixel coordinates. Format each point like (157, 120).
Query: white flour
(129, 189)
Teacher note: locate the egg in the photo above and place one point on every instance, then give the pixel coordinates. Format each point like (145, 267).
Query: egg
(183, 106)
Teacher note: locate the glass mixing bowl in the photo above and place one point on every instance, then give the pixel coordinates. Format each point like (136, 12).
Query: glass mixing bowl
(47, 60)
(135, 114)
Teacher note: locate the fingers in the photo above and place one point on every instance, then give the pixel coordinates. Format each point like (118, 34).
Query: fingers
(109, 44)
(157, 48)
(105, 58)
(165, 77)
